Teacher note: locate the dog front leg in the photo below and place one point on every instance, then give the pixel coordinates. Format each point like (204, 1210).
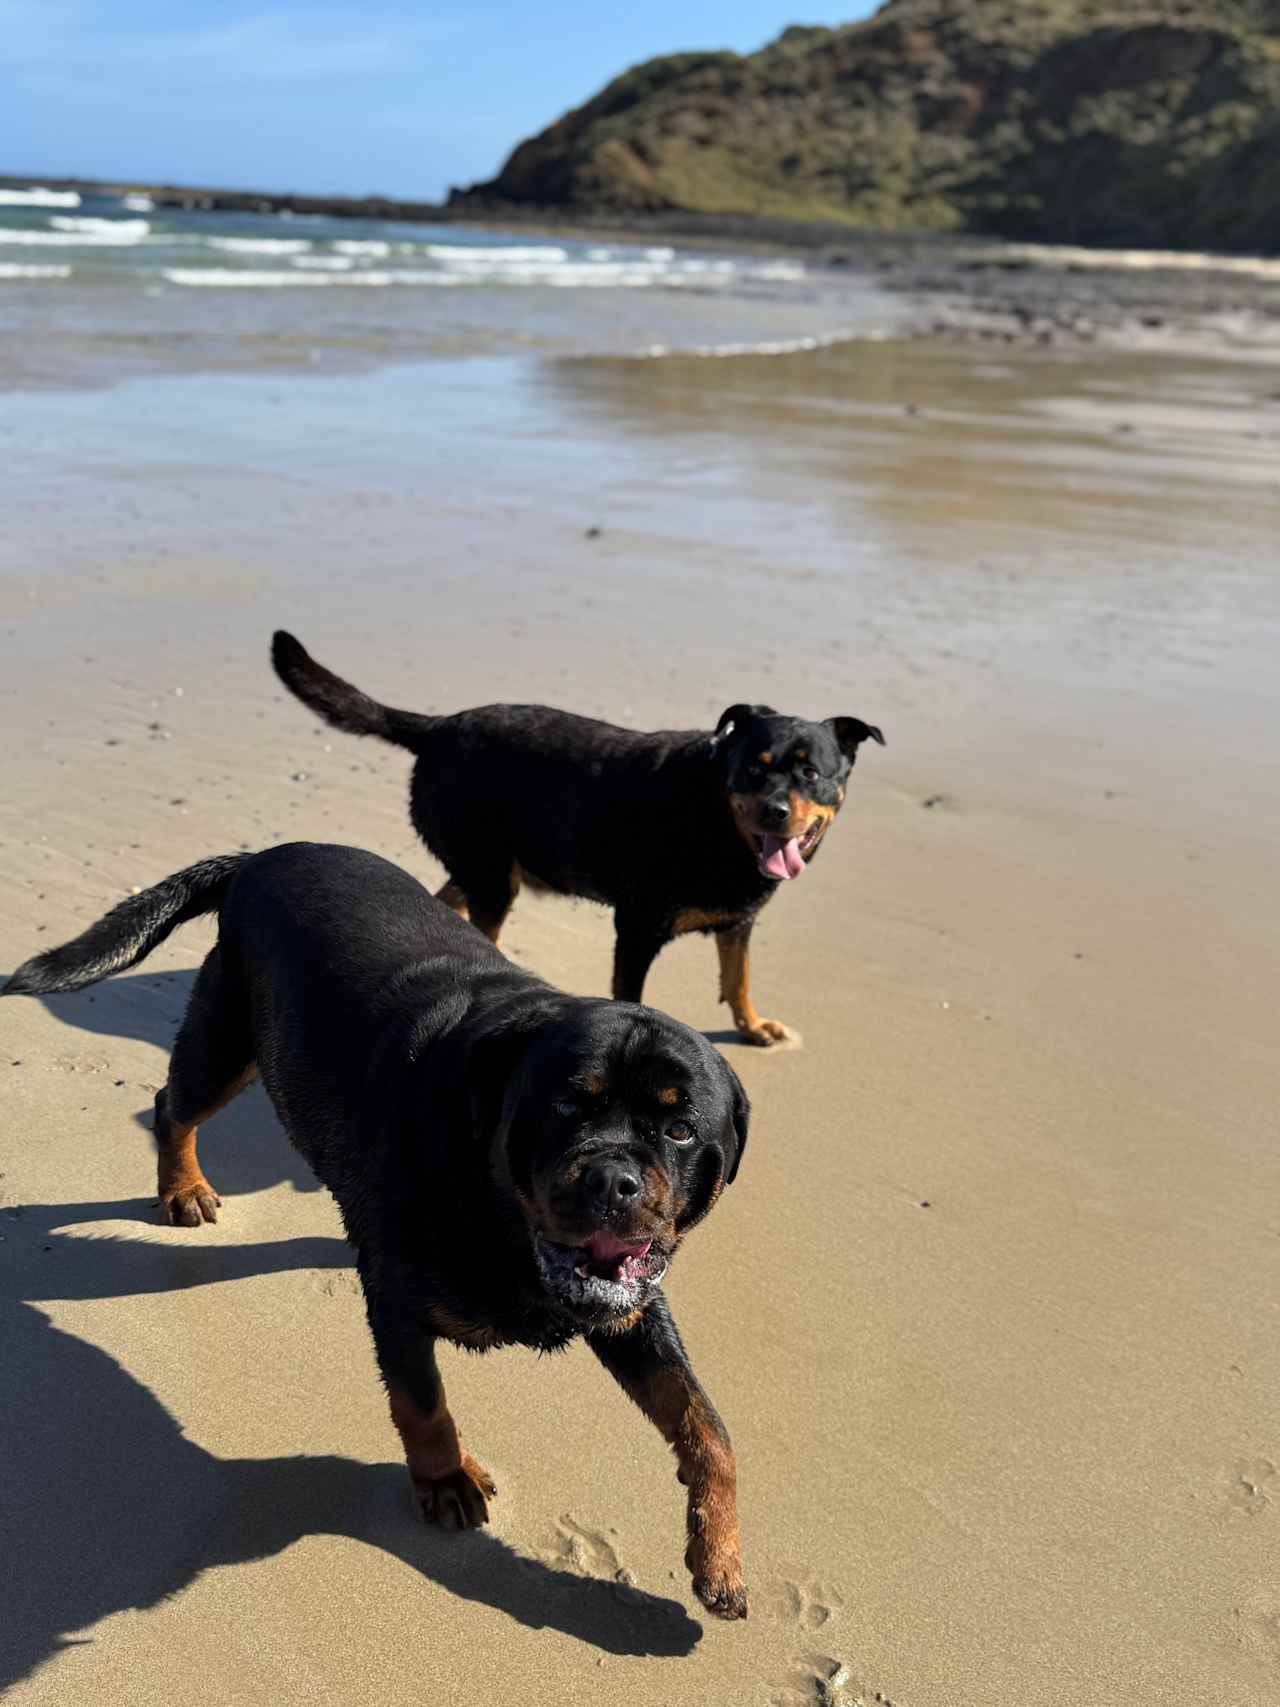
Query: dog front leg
(449, 1487)
(735, 968)
(650, 1364)
(639, 939)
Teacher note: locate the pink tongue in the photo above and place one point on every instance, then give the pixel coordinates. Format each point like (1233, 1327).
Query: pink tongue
(781, 859)
(603, 1247)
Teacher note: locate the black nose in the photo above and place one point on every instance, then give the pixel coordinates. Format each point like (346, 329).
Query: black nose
(774, 814)
(611, 1185)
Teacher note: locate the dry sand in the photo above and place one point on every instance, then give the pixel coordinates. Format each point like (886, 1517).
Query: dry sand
(992, 1310)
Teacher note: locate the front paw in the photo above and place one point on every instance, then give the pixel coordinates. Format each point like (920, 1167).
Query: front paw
(718, 1581)
(459, 1500)
(189, 1203)
(764, 1033)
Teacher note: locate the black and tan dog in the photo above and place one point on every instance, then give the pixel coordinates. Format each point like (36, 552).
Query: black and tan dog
(514, 1166)
(677, 831)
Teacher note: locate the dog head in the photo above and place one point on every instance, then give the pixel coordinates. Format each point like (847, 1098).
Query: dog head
(785, 780)
(618, 1129)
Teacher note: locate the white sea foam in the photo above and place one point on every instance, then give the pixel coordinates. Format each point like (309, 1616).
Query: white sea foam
(325, 263)
(38, 196)
(244, 278)
(120, 236)
(778, 270)
(764, 347)
(260, 245)
(406, 276)
(603, 265)
(139, 204)
(349, 246)
(1137, 260)
(455, 255)
(125, 230)
(253, 279)
(613, 253)
(28, 270)
(566, 274)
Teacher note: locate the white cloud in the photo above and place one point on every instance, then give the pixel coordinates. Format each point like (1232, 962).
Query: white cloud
(295, 44)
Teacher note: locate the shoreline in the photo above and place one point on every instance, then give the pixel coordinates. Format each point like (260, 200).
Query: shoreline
(953, 286)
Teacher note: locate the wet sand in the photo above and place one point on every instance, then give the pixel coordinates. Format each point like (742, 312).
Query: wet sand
(991, 1311)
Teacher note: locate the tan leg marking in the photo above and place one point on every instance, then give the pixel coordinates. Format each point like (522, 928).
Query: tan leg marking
(449, 1487)
(734, 971)
(708, 1469)
(490, 923)
(186, 1197)
(453, 897)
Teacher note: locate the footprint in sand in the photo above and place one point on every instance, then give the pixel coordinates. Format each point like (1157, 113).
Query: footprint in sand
(823, 1680)
(809, 1605)
(78, 1064)
(816, 1679)
(1252, 1485)
(586, 1552)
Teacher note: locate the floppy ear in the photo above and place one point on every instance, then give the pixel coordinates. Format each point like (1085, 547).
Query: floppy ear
(735, 716)
(851, 732)
(718, 1164)
(741, 1121)
(495, 1080)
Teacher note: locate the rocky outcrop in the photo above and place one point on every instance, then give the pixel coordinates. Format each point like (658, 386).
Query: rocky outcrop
(1054, 119)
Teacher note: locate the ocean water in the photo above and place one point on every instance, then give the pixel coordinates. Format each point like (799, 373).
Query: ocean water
(96, 288)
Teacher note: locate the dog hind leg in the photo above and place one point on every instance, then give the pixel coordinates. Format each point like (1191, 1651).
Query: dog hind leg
(453, 896)
(489, 895)
(212, 1062)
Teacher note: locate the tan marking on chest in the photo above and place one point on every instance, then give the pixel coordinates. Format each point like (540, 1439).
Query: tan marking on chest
(621, 1324)
(476, 1336)
(699, 919)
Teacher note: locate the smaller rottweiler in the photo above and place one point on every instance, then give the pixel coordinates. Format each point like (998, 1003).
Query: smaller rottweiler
(683, 830)
(514, 1166)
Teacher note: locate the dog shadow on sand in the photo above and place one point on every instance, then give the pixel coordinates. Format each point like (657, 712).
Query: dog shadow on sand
(107, 1505)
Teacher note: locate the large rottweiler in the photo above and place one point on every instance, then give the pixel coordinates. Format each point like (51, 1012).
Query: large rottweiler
(678, 831)
(514, 1166)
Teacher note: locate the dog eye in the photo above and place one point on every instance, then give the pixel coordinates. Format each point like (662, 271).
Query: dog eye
(565, 1107)
(680, 1132)
(809, 773)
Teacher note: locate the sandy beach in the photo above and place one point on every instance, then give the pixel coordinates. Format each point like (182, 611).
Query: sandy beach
(992, 1310)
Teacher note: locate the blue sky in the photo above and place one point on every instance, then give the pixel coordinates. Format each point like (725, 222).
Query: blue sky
(327, 94)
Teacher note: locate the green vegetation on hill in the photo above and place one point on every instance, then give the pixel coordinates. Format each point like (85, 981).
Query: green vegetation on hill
(1075, 120)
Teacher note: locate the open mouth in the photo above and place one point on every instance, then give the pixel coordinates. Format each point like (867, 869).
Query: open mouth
(782, 857)
(601, 1275)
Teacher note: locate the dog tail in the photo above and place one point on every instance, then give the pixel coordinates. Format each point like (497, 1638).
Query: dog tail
(337, 701)
(129, 931)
